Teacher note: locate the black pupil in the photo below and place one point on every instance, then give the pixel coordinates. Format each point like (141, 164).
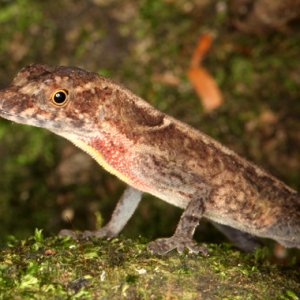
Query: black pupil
(60, 97)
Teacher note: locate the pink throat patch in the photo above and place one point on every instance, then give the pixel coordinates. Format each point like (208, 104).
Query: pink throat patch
(119, 158)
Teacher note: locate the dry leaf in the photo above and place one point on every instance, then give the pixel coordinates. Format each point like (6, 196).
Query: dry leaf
(202, 48)
(206, 88)
(203, 83)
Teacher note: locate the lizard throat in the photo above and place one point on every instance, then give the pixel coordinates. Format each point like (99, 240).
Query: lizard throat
(115, 159)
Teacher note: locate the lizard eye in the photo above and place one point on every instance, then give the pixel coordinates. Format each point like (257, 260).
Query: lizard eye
(60, 97)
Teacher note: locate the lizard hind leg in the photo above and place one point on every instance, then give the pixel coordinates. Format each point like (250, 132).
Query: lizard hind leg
(120, 216)
(241, 240)
(183, 237)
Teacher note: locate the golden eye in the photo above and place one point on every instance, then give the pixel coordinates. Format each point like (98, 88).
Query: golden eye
(60, 97)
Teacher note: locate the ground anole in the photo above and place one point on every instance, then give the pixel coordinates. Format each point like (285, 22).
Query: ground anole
(153, 153)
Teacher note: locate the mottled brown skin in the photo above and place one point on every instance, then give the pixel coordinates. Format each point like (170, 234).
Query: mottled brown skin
(155, 153)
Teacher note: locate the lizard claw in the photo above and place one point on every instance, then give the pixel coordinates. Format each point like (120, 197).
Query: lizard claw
(165, 245)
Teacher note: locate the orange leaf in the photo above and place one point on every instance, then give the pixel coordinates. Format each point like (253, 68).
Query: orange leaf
(206, 88)
(203, 46)
(203, 83)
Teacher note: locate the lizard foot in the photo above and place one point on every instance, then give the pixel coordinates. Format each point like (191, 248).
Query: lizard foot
(165, 245)
(103, 232)
(71, 233)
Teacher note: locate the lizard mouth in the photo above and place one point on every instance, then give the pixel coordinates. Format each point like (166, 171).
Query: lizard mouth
(13, 117)
(55, 127)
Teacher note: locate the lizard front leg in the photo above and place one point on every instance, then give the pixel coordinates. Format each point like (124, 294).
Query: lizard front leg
(124, 210)
(183, 236)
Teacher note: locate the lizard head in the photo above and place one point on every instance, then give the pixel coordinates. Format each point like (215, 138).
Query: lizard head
(68, 100)
(61, 99)
(97, 115)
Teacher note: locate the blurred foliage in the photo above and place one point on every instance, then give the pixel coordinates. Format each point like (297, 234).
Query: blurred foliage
(146, 45)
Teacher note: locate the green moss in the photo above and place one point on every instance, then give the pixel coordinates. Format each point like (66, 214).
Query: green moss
(61, 268)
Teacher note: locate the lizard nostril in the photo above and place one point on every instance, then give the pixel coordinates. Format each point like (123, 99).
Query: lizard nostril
(60, 97)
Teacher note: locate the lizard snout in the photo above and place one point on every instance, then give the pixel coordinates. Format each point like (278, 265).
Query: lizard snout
(15, 106)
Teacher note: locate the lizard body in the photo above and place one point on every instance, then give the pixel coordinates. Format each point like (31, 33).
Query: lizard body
(153, 153)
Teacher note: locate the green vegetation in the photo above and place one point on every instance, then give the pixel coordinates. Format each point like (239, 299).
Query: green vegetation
(53, 268)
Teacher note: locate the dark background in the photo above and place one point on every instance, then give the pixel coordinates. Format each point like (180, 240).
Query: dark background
(146, 45)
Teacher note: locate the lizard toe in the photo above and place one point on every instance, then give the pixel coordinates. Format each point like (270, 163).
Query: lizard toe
(165, 245)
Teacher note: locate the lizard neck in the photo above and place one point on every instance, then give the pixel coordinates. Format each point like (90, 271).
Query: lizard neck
(112, 155)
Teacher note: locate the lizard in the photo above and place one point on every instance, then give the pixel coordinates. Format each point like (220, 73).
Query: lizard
(153, 153)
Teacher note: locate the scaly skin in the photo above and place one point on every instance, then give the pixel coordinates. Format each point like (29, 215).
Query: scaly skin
(154, 153)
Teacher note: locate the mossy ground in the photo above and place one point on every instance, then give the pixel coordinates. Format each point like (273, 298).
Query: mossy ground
(56, 268)
(145, 45)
